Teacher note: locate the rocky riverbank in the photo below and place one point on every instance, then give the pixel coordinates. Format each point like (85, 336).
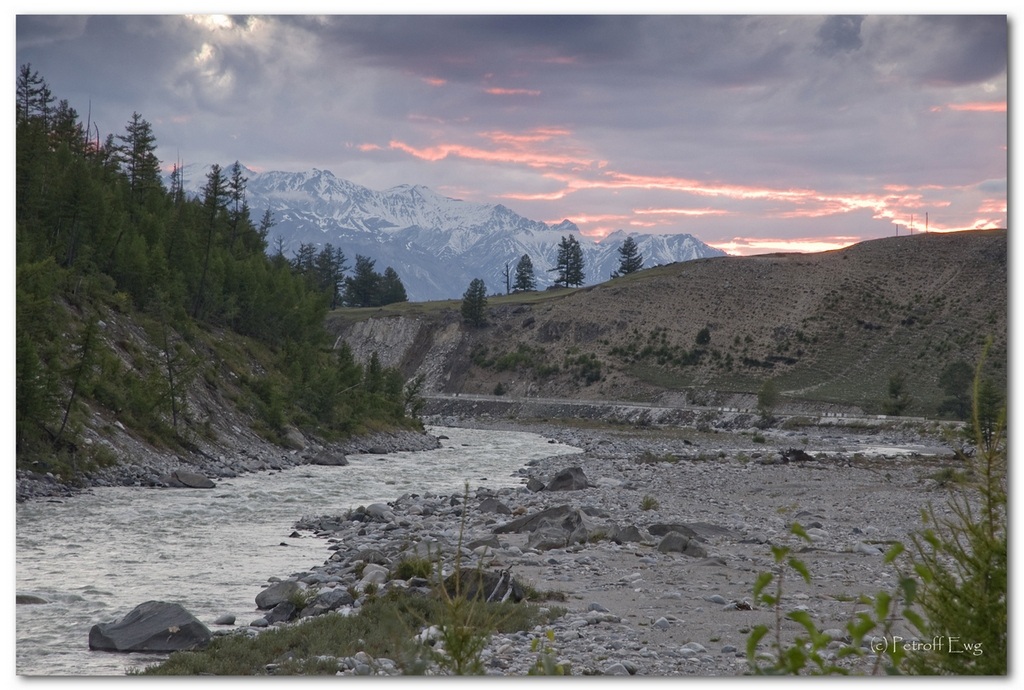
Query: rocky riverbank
(142, 466)
(654, 542)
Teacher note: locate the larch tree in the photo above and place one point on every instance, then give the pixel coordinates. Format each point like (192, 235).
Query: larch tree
(570, 262)
(391, 288)
(630, 259)
(474, 303)
(525, 278)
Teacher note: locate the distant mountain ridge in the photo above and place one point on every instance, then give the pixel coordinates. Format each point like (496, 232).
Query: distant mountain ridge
(436, 244)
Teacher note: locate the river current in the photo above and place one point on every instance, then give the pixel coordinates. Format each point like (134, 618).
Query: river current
(96, 556)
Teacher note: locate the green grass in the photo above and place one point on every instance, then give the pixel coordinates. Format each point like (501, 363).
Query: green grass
(383, 628)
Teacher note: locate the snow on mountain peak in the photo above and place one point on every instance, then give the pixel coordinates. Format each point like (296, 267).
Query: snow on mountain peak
(436, 244)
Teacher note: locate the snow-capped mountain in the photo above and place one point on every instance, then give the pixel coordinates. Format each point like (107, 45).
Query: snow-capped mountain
(435, 243)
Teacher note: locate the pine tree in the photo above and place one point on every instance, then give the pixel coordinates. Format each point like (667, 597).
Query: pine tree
(474, 303)
(630, 259)
(525, 279)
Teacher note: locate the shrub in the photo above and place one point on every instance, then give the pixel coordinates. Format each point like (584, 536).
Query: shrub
(414, 567)
(767, 399)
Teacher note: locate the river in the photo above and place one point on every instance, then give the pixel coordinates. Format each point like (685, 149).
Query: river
(96, 556)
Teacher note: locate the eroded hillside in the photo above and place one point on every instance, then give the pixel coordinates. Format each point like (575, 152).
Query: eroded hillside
(830, 327)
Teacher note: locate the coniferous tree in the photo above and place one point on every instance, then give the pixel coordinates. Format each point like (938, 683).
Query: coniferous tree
(94, 223)
(474, 303)
(362, 288)
(955, 380)
(214, 198)
(898, 396)
(525, 279)
(304, 263)
(32, 94)
(330, 266)
(238, 211)
(136, 154)
(67, 129)
(391, 288)
(630, 259)
(81, 371)
(570, 262)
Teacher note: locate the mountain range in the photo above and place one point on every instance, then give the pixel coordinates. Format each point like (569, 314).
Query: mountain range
(436, 244)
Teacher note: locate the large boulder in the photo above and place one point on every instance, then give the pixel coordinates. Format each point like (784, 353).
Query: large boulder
(622, 534)
(555, 527)
(183, 479)
(328, 600)
(493, 505)
(535, 485)
(485, 585)
(550, 536)
(286, 590)
(569, 479)
(681, 543)
(329, 458)
(529, 523)
(154, 626)
(380, 512)
(282, 613)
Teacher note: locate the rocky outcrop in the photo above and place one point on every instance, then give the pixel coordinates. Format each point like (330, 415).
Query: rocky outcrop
(154, 626)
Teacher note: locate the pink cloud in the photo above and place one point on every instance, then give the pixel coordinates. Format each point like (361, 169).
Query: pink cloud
(497, 91)
(747, 246)
(974, 107)
(680, 211)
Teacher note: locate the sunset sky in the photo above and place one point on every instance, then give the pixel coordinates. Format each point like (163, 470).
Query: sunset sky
(753, 133)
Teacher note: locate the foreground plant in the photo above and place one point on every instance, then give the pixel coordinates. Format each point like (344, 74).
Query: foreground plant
(961, 559)
(808, 652)
(956, 598)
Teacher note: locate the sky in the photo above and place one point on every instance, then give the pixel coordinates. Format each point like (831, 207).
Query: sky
(754, 133)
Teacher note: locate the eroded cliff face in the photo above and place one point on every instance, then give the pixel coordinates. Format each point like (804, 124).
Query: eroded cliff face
(435, 348)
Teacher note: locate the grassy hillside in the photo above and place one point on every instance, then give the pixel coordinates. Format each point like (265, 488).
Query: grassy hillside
(831, 327)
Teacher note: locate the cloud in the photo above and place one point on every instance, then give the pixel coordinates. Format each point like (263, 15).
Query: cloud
(839, 35)
(788, 124)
